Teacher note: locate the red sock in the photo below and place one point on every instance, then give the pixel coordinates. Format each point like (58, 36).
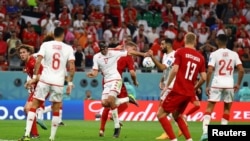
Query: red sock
(183, 126)
(104, 118)
(166, 125)
(192, 110)
(34, 128)
(122, 108)
(226, 116)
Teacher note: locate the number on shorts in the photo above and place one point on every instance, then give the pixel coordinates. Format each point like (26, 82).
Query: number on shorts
(191, 67)
(56, 61)
(225, 66)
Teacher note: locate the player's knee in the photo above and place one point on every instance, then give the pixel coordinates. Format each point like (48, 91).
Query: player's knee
(105, 104)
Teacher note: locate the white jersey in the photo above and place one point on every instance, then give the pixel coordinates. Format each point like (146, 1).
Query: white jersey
(223, 60)
(55, 55)
(108, 64)
(168, 60)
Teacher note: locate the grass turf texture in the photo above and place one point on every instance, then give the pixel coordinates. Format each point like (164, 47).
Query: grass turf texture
(79, 130)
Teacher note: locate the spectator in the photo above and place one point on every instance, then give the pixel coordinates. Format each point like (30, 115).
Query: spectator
(245, 57)
(123, 32)
(152, 35)
(154, 6)
(98, 3)
(228, 13)
(178, 42)
(130, 14)
(89, 52)
(3, 63)
(88, 95)
(80, 59)
(13, 58)
(171, 31)
(244, 93)
(184, 24)
(246, 11)
(115, 11)
(3, 46)
(12, 41)
(78, 22)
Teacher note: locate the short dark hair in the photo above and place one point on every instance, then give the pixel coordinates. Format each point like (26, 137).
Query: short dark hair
(102, 45)
(58, 32)
(222, 39)
(168, 41)
(245, 84)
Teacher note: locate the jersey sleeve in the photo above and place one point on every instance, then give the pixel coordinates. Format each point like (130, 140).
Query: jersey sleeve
(120, 53)
(41, 51)
(211, 61)
(95, 64)
(71, 55)
(177, 57)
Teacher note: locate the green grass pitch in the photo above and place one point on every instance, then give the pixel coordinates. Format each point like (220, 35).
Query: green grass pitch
(80, 130)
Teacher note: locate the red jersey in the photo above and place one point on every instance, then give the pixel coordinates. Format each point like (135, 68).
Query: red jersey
(125, 62)
(30, 65)
(191, 63)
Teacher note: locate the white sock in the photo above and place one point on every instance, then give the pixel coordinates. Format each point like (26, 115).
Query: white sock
(54, 126)
(174, 139)
(115, 118)
(47, 109)
(189, 139)
(120, 101)
(205, 123)
(29, 122)
(224, 121)
(39, 112)
(60, 115)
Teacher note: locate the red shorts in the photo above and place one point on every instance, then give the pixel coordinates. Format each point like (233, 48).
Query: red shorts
(123, 92)
(194, 98)
(175, 102)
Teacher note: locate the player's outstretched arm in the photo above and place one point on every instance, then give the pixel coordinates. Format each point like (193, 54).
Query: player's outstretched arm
(210, 70)
(133, 77)
(158, 64)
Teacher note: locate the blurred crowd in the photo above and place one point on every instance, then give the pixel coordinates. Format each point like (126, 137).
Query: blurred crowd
(146, 22)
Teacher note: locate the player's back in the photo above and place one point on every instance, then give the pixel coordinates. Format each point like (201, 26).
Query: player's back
(125, 63)
(56, 55)
(223, 60)
(191, 63)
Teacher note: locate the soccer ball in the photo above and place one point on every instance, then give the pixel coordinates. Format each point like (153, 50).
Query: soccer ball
(148, 62)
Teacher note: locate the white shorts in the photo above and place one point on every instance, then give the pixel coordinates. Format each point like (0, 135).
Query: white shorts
(221, 94)
(42, 90)
(115, 86)
(164, 94)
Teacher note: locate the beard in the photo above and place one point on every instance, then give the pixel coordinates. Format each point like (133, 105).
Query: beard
(164, 50)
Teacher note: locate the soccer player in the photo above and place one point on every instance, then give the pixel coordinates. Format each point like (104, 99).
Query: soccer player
(25, 53)
(125, 62)
(187, 65)
(165, 66)
(56, 55)
(106, 61)
(221, 63)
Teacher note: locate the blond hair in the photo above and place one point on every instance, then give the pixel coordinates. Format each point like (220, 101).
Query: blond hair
(190, 38)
